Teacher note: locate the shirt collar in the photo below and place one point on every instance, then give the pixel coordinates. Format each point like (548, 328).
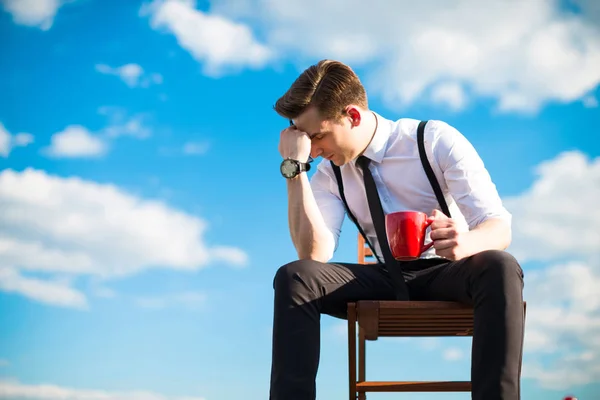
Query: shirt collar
(376, 148)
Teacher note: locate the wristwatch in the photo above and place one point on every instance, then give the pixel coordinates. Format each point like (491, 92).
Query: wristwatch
(291, 168)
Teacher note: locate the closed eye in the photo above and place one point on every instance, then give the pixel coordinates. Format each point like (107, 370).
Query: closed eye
(318, 136)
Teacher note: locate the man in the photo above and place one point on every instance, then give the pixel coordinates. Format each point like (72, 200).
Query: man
(327, 106)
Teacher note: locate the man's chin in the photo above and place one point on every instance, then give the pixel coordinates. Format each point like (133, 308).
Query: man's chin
(338, 161)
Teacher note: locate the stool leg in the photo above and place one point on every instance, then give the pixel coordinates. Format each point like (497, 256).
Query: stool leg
(352, 349)
(361, 360)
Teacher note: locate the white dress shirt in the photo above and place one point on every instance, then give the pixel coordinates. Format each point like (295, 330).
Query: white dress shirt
(402, 183)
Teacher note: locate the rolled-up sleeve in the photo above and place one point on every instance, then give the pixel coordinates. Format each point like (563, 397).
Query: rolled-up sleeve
(467, 179)
(324, 188)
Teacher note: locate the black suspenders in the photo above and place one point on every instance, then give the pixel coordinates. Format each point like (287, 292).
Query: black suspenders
(428, 170)
(427, 167)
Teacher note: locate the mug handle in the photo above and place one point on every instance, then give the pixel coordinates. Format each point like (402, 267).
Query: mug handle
(428, 245)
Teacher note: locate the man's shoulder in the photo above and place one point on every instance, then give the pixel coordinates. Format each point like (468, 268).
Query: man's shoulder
(408, 126)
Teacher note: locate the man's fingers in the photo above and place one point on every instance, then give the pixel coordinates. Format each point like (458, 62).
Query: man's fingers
(442, 223)
(448, 254)
(443, 233)
(437, 213)
(438, 219)
(443, 244)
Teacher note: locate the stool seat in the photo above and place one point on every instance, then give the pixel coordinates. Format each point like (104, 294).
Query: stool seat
(414, 318)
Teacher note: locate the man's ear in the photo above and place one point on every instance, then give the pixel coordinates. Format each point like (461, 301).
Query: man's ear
(354, 115)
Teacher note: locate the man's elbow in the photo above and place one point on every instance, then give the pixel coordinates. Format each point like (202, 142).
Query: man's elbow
(505, 234)
(322, 252)
(496, 233)
(508, 238)
(314, 256)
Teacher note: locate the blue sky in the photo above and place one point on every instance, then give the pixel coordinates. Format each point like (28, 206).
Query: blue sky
(142, 214)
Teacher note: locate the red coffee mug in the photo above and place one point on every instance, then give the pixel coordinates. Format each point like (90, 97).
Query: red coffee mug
(406, 234)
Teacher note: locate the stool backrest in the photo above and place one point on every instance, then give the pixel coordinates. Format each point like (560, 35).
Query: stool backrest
(365, 255)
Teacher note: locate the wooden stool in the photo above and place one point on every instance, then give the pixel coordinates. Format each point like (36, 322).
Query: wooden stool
(402, 318)
(396, 319)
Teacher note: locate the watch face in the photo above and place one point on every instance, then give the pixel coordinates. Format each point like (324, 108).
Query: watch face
(289, 168)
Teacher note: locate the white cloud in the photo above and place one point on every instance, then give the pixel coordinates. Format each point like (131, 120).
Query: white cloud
(8, 142)
(129, 73)
(218, 42)
(521, 54)
(555, 222)
(57, 293)
(194, 148)
(55, 225)
(450, 94)
(563, 319)
(559, 215)
(15, 390)
(132, 74)
(23, 139)
(190, 300)
(453, 354)
(154, 78)
(133, 127)
(75, 141)
(561, 376)
(39, 13)
(78, 141)
(188, 149)
(121, 124)
(5, 139)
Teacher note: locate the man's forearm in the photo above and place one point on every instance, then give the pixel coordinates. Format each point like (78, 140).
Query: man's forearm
(309, 234)
(493, 234)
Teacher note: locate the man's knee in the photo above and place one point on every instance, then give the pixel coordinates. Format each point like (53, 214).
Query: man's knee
(295, 274)
(498, 266)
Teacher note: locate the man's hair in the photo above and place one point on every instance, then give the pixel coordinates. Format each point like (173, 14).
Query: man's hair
(329, 86)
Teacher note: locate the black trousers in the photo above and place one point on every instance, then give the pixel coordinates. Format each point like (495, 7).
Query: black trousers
(490, 281)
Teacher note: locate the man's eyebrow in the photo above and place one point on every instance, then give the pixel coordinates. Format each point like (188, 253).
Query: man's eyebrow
(312, 135)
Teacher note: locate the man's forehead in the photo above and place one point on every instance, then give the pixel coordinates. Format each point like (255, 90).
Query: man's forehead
(310, 121)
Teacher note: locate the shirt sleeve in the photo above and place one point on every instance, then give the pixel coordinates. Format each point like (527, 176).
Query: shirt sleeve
(468, 181)
(325, 190)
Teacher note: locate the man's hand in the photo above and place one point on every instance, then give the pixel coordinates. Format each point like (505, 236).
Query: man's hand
(449, 242)
(294, 144)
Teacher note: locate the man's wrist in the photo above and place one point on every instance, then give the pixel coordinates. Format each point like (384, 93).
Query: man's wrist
(297, 177)
(291, 168)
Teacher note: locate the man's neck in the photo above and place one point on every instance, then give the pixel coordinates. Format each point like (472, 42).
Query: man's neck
(369, 127)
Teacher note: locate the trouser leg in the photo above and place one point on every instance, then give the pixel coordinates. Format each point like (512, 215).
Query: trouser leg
(304, 290)
(492, 281)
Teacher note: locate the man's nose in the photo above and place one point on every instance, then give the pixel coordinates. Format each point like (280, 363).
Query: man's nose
(315, 152)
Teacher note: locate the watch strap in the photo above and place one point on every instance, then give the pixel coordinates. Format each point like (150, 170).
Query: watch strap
(304, 167)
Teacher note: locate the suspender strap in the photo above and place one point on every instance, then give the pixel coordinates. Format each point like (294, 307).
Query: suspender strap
(427, 167)
(338, 178)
